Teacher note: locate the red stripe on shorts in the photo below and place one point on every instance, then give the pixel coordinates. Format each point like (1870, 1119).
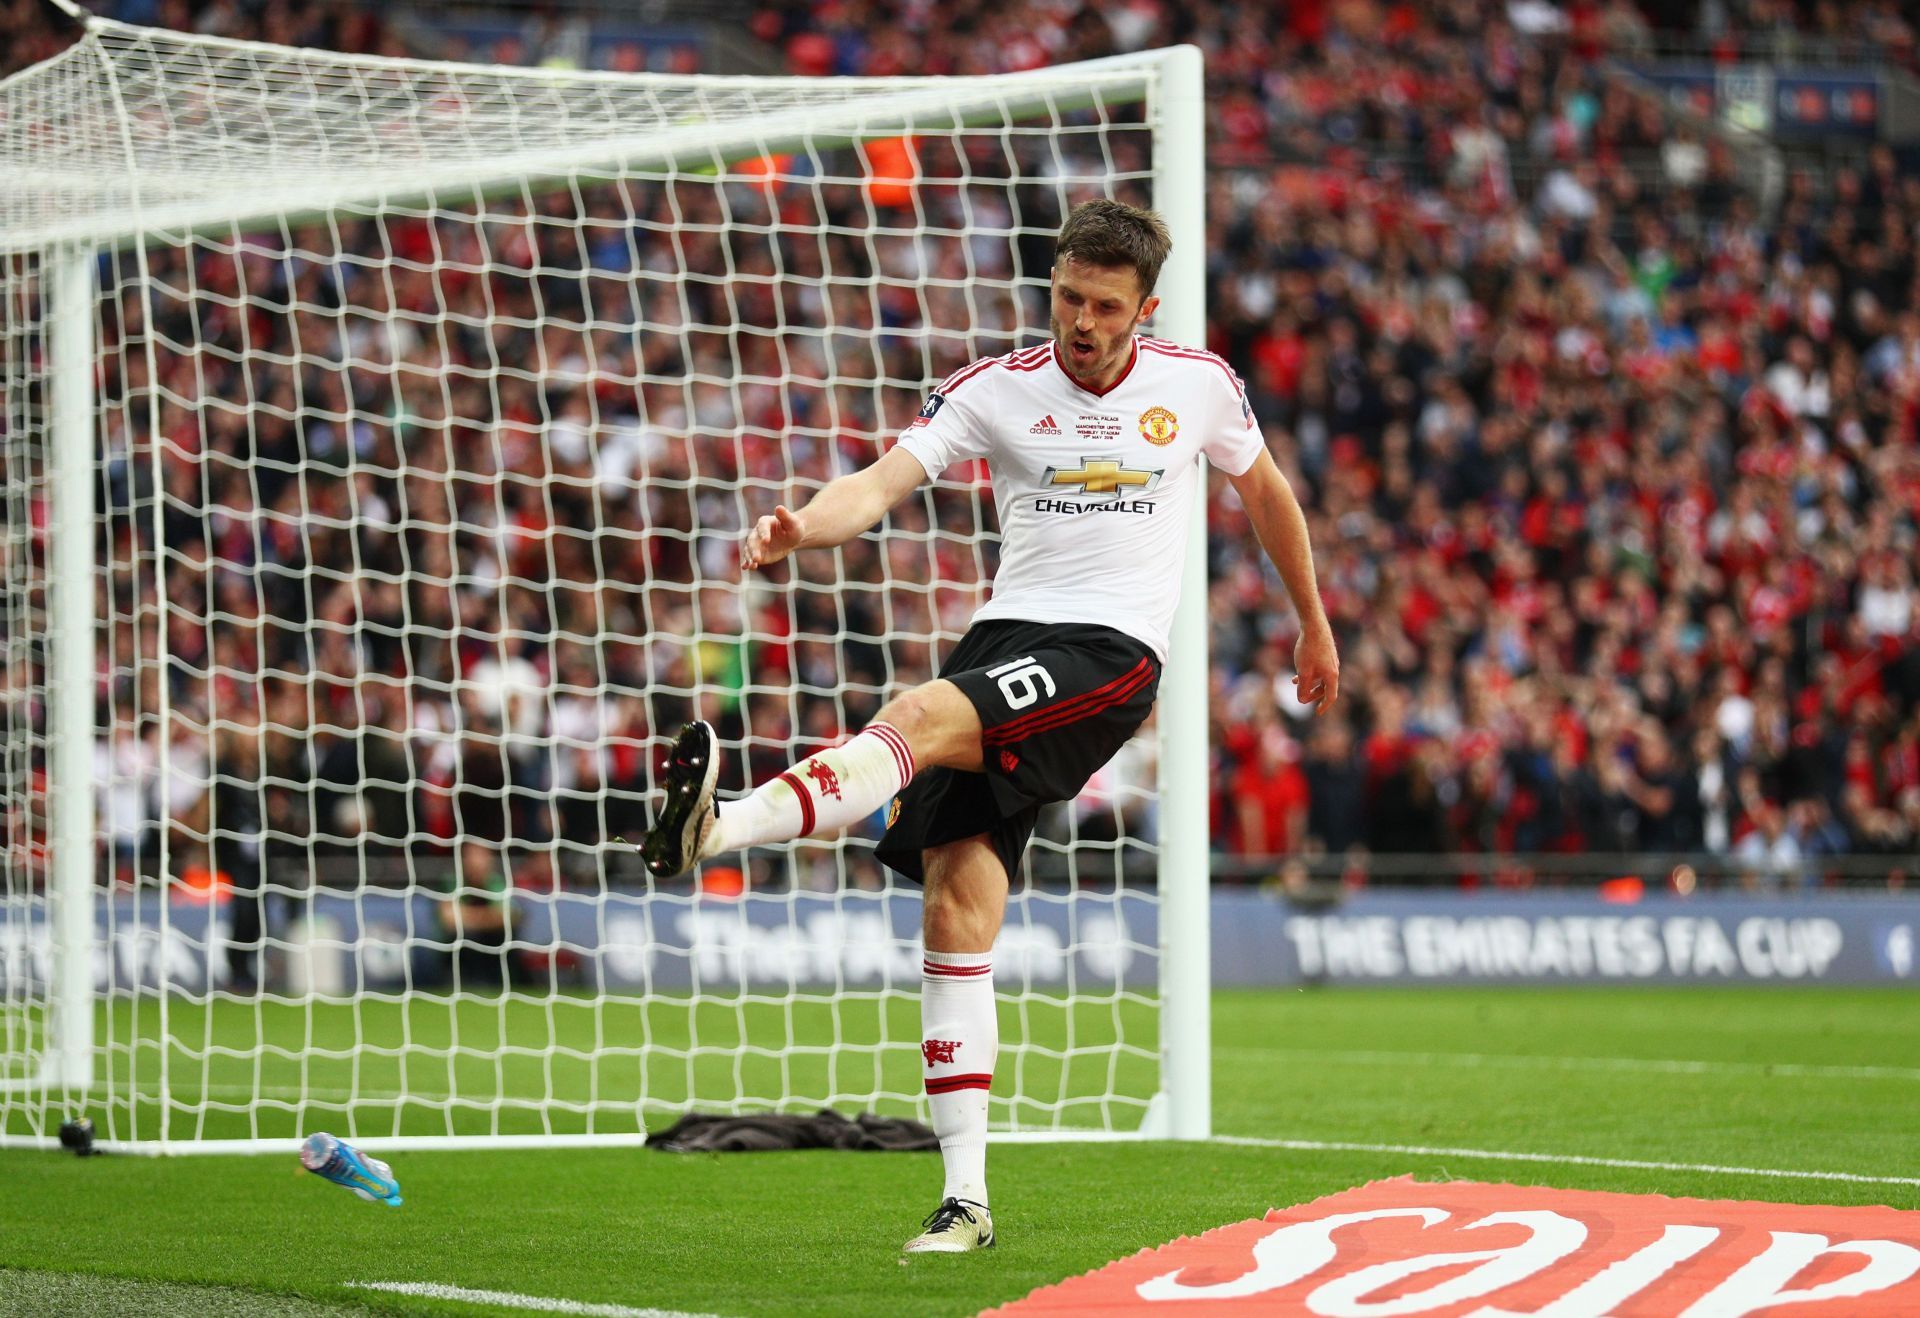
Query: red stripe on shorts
(1075, 715)
(1073, 709)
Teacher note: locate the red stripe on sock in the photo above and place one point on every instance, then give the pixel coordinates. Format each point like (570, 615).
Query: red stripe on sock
(879, 737)
(1071, 711)
(806, 802)
(907, 765)
(902, 756)
(947, 1084)
(956, 972)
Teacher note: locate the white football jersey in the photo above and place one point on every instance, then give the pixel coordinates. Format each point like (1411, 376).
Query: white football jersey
(1095, 490)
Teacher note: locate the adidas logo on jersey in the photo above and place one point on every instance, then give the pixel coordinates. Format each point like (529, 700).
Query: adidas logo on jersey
(1044, 426)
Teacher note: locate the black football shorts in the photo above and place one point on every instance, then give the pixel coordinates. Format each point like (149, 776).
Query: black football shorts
(1056, 701)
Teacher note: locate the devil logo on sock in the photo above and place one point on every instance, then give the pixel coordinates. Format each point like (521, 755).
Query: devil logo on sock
(825, 780)
(939, 1051)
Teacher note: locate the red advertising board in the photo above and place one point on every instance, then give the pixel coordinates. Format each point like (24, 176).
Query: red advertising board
(1465, 1250)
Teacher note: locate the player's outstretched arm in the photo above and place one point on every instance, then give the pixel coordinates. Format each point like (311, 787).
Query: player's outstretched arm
(1282, 529)
(843, 509)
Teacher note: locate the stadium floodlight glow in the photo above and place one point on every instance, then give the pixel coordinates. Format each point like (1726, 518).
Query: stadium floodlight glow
(377, 434)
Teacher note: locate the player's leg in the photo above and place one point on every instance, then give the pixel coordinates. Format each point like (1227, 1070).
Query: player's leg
(1054, 703)
(966, 900)
(933, 724)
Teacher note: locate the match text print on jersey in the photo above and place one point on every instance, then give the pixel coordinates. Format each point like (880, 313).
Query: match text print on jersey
(1016, 678)
(1102, 476)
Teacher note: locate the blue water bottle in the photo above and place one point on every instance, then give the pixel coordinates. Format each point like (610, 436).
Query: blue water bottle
(341, 1163)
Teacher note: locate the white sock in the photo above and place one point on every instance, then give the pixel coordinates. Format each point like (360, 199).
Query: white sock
(824, 793)
(960, 1038)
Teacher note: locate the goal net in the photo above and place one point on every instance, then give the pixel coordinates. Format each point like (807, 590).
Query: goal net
(378, 437)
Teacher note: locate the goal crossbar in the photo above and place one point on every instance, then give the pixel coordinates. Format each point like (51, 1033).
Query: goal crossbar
(187, 180)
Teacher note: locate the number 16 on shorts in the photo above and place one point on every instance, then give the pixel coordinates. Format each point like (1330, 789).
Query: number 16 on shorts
(1016, 679)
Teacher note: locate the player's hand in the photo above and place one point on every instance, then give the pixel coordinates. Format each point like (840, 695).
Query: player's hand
(1316, 670)
(773, 537)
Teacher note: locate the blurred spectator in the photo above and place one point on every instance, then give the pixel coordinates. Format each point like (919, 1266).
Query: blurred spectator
(1268, 791)
(476, 920)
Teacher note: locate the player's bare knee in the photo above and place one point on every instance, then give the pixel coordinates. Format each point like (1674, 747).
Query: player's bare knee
(914, 714)
(938, 723)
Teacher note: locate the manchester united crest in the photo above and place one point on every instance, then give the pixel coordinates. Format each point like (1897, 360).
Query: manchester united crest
(1159, 426)
(893, 812)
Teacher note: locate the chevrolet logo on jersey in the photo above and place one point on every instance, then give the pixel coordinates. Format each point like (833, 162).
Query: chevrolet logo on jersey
(1102, 476)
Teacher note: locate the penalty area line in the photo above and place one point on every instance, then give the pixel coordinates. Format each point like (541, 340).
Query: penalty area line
(1572, 1159)
(427, 1290)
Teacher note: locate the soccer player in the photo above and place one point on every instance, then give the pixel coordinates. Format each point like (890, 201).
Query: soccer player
(1095, 441)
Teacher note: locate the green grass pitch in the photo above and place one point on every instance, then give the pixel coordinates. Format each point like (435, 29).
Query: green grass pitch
(1822, 1080)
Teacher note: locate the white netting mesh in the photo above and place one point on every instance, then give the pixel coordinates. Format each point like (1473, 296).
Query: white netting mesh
(431, 402)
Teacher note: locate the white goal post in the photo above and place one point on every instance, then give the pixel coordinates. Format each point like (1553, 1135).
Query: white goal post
(376, 438)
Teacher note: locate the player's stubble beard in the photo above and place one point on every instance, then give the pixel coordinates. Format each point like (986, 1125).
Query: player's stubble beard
(1103, 361)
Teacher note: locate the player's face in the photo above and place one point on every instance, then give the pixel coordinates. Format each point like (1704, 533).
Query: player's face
(1096, 308)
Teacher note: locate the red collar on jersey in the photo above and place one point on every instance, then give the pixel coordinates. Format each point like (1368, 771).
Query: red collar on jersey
(1099, 393)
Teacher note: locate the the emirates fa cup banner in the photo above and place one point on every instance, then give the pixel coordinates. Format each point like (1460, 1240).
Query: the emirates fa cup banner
(622, 941)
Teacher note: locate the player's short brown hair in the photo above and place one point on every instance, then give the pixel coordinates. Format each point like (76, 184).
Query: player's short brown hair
(1112, 233)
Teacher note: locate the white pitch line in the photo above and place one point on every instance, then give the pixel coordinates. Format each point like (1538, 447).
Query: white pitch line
(1523, 1061)
(1577, 1159)
(428, 1290)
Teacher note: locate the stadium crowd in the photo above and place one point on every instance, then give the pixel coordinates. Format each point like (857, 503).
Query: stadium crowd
(1613, 473)
(1615, 478)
